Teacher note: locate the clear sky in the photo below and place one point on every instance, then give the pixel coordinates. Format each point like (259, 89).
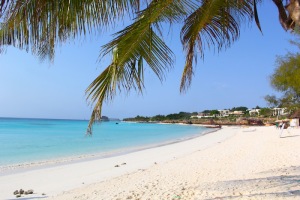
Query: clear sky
(238, 76)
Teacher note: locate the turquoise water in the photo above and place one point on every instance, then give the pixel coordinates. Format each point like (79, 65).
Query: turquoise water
(32, 140)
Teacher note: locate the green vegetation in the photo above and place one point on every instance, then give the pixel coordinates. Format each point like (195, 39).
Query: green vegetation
(286, 79)
(240, 108)
(138, 118)
(159, 118)
(266, 112)
(208, 114)
(42, 26)
(210, 119)
(214, 112)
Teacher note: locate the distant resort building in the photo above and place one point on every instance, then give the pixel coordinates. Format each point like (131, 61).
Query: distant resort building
(203, 115)
(224, 113)
(275, 112)
(280, 111)
(237, 112)
(254, 112)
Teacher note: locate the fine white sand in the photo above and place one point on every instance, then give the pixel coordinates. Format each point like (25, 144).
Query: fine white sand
(233, 163)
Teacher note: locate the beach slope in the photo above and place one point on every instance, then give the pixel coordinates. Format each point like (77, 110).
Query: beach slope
(233, 163)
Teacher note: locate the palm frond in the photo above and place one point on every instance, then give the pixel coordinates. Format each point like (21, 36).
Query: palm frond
(127, 70)
(132, 46)
(44, 24)
(3, 6)
(104, 87)
(216, 23)
(256, 16)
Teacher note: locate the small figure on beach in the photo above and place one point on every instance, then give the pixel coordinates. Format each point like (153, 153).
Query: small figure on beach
(280, 124)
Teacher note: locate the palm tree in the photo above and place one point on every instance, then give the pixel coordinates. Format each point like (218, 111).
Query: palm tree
(41, 25)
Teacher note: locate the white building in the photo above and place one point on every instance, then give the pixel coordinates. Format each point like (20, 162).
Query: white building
(279, 111)
(237, 112)
(253, 112)
(224, 113)
(203, 115)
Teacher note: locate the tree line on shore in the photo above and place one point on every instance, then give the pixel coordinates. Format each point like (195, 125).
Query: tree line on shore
(183, 116)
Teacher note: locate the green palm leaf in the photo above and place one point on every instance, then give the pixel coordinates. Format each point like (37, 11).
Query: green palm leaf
(43, 24)
(132, 46)
(216, 23)
(126, 71)
(114, 77)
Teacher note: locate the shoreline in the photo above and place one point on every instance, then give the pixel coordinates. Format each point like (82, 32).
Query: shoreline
(41, 164)
(73, 175)
(232, 163)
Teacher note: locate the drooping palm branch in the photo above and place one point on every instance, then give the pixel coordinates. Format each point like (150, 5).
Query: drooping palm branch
(41, 25)
(132, 46)
(216, 23)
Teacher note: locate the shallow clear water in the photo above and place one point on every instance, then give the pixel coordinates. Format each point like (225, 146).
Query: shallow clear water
(31, 140)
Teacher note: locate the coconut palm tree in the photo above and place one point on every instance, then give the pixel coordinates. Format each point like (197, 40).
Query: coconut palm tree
(39, 26)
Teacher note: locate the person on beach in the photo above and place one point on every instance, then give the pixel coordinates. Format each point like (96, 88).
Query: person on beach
(280, 124)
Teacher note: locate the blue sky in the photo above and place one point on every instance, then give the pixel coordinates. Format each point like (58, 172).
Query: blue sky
(238, 76)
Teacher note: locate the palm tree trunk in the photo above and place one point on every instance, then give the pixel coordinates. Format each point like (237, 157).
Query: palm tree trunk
(293, 9)
(283, 18)
(289, 15)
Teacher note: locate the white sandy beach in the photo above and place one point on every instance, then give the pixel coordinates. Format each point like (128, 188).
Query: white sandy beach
(233, 163)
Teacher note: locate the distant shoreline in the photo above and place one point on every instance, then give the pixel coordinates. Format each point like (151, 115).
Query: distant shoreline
(41, 164)
(108, 167)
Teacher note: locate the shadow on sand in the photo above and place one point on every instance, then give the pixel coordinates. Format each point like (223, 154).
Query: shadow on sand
(289, 136)
(28, 198)
(286, 185)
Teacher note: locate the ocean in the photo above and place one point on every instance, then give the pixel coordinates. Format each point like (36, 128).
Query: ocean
(36, 140)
